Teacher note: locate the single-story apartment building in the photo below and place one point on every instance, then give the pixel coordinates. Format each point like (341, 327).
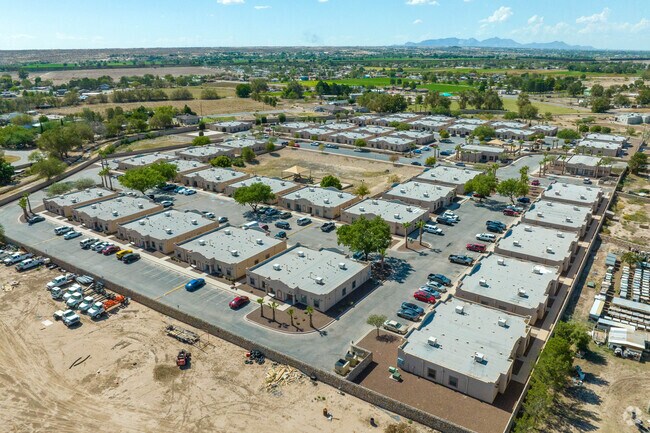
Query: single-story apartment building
(609, 138)
(143, 160)
(317, 201)
(584, 166)
(395, 213)
(161, 231)
(291, 127)
(204, 153)
(239, 144)
(579, 195)
(106, 215)
(300, 275)
(422, 194)
(313, 133)
(349, 137)
(547, 130)
(188, 119)
(449, 175)
(391, 142)
(419, 137)
(186, 166)
(514, 134)
(467, 347)
(480, 153)
(338, 126)
(278, 186)
(364, 119)
(64, 204)
(558, 215)
(229, 251)
(505, 283)
(374, 130)
(603, 148)
(214, 179)
(231, 126)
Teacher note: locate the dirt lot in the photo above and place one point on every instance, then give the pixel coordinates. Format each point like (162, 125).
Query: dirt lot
(633, 223)
(348, 169)
(130, 382)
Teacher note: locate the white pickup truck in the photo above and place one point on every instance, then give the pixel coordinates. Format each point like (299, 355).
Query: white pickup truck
(68, 317)
(31, 263)
(16, 258)
(59, 281)
(96, 310)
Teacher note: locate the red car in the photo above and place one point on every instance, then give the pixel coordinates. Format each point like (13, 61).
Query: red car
(239, 302)
(535, 182)
(477, 195)
(479, 248)
(425, 297)
(111, 249)
(510, 212)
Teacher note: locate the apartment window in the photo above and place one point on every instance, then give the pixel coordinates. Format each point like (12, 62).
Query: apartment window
(228, 272)
(354, 284)
(252, 282)
(431, 373)
(453, 381)
(345, 290)
(316, 303)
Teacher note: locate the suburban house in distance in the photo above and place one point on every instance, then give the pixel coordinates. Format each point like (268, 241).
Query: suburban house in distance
(278, 186)
(317, 201)
(204, 153)
(547, 130)
(560, 216)
(418, 137)
(106, 215)
(585, 166)
(186, 166)
(229, 251)
(314, 278)
(239, 144)
(391, 142)
(516, 286)
(394, 213)
(449, 175)
(574, 194)
(349, 137)
(538, 244)
(188, 119)
(422, 194)
(64, 204)
(214, 179)
(467, 347)
(143, 160)
(231, 126)
(602, 148)
(161, 231)
(480, 153)
(293, 126)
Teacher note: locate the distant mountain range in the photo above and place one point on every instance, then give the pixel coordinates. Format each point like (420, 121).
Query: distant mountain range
(496, 43)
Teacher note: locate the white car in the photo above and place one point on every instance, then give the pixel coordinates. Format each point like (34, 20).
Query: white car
(452, 216)
(436, 286)
(432, 228)
(209, 215)
(16, 258)
(395, 326)
(488, 237)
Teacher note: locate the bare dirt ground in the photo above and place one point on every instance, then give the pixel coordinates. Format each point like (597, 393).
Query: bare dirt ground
(130, 382)
(349, 170)
(632, 220)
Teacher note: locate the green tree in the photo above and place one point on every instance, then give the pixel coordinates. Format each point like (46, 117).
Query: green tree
(568, 134)
(309, 310)
(555, 363)
(362, 190)
(238, 162)
(420, 226)
(84, 183)
(141, 179)
(331, 181)
(407, 226)
(22, 203)
(360, 142)
(259, 85)
(261, 302)
(509, 188)
(282, 118)
(600, 105)
(221, 161)
(528, 112)
(59, 188)
(60, 141)
(167, 170)
(367, 236)
(274, 306)
(6, 171)
(243, 90)
(248, 154)
(293, 90)
(573, 332)
(181, 95)
(16, 137)
(638, 162)
(376, 320)
(253, 195)
(483, 132)
(597, 90)
(631, 258)
(209, 94)
(47, 167)
(482, 184)
(444, 134)
(430, 161)
(270, 146)
(200, 141)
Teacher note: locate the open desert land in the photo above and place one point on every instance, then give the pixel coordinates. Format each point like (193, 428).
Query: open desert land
(127, 380)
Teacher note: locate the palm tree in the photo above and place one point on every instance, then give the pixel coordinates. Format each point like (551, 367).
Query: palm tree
(563, 158)
(458, 149)
(406, 226)
(261, 302)
(105, 174)
(310, 312)
(420, 225)
(274, 305)
(29, 204)
(291, 312)
(630, 257)
(521, 145)
(23, 205)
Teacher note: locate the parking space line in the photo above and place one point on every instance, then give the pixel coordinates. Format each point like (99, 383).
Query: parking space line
(170, 291)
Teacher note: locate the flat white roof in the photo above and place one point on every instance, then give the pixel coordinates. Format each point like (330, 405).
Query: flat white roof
(448, 174)
(388, 210)
(315, 131)
(482, 148)
(610, 145)
(374, 129)
(352, 135)
(461, 336)
(539, 242)
(606, 137)
(514, 131)
(277, 185)
(217, 174)
(413, 134)
(242, 142)
(501, 278)
(421, 191)
(577, 193)
(586, 160)
(79, 197)
(198, 151)
(231, 244)
(185, 165)
(118, 207)
(511, 125)
(339, 126)
(168, 224)
(296, 125)
(391, 139)
(142, 160)
(231, 123)
(300, 268)
(324, 197)
(557, 213)
(464, 122)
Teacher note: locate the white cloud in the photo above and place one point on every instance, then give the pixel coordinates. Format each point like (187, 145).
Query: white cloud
(422, 2)
(595, 18)
(535, 19)
(323, 1)
(262, 7)
(230, 2)
(500, 15)
(418, 21)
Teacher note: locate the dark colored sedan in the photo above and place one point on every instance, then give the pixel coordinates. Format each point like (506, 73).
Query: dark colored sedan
(239, 302)
(328, 227)
(285, 215)
(412, 306)
(283, 225)
(35, 219)
(439, 278)
(408, 315)
(524, 200)
(419, 164)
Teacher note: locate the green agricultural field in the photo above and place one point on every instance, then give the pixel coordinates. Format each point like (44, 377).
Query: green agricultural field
(445, 88)
(510, 104)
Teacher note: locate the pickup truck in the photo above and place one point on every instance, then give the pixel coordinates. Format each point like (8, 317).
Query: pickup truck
(70, 318)
(96, 310)
(31, 263)
(16, 258)
(59, 281)
(86, 303)
(76, 288)
(461, 260)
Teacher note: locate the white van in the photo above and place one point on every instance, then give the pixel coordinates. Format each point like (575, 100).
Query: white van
(489, 237)
(250, 225)
(61, 230)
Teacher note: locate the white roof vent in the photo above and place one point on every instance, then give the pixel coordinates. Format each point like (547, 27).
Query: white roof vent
(218, 177)
(560, 234)
(460, 309)
(528, 228)
(522, 293)
(537, 270)
(93, 206)
(297, 195)
(301, 253)
(548, 203)
(140, 206)
(502, 322)
(201, 241)
(169, 231)
(582, 197)
(557, 192)
(409, 209)
(74, 200)
(416, 183)
(277, 266)
(549, 250)
(227, 232)
(501, 262)
(319, 280)
(397, 216)
(119, 199)
(426, 194)
(402, 190)
(540, 214)
(259, 241)
(342, 266)
(168, 214)
(283, 183)
(100, 193)
(235, 253)
(433, 341)
(564, 185)
(311, 189)
(195, 222)
(327, 201)
(516, 243)
(569, 220)
(375, 202)
(114, 213)
(142, 222)
(479, 357)
(362, 209)
(340, 195)
(483, 282)
(576, 208)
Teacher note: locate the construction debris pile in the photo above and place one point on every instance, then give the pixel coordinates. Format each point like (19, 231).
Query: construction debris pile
(279, 375)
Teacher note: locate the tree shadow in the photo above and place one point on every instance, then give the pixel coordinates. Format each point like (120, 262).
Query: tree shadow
(595, 380)
(584, 395)
(386, 338)
(401, 269)
(570, 416)
(595, 358)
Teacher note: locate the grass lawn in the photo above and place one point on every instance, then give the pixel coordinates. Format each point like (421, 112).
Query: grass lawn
(445, 88)
(510, 104)
(155, 143)
(11, 158)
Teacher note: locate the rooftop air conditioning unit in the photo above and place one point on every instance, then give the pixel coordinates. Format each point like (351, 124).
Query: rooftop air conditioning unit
(100, 193)
(502, 322)
(227, 232)
(397, 216)
(169, 231)
(479, 357)
(342, 266)
(516, 243)
(582, 197)
(433, 175)
(569, 219)
(74, 200)
(218, 177)
(235, 253)
(114, 213)
(540, 214)
(297, 195)
(234, 173)
(588, 189)
(277, 266)
(375, 202)
(140, 206)
(433, 341)
(549, 250)
(560, 234)
(528, 228)
(301, 253)
(522, 293)
(327, 201)
(168, 214)
(576, 208)
(142, 222)
(340, 195)
(564, 185)
(455, 178)
(259, 241)
(283, 183)
(537, 270)
(194, 222)
(483, 282)
(445, 168)
(548, 203)
(93, 206)
(319, 280)
(119, 199)
(201, 242)
(501, 262)
(312, 189)
(557, 193)
(416, 183)
(402, 190)
(426, 194)
(460, 309)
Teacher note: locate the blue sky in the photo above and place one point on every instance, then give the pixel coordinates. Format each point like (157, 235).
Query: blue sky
(42, 24)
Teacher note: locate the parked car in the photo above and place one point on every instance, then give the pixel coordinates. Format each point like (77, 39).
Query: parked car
(445, 152)
(111, 249)
(423, 296)
(408, 315)
(189, 191)
(417, 151)
(194, 284)
(30, 264)
(419, 164)
(222, 219)
(238, 302)
(35, 219)
(281, 235)
(17, 258)
(130, 258)
(331, 146)
(487, 237)
(167, 203)
(430, 290)
(461, 259)
(496, 223)
(121, 253)
(534, 182)
(494, 229)
(62, 230)
(440, 278)
(510, 212)
(283, 225)
(523, 200)
(411, 306)
(86, 303)
(328, 227)
(99, 246)
(59, 281)
(515, 208)
(460, 164)
(272, 211)
(395, 326)
(477, 195)
(452, 216)
(104, 246)
(168, 187)
(445, 221)
(436, 286)
(479, 248)
(431, 228)
(303, 221)
(86, 243)
(285, 215)
(586, 181)
(210, 215)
